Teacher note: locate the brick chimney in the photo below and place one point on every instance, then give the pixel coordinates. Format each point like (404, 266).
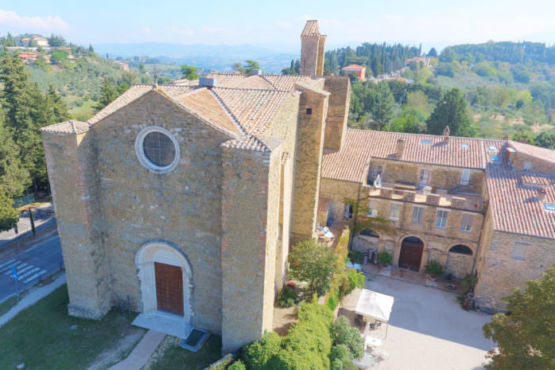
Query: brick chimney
(399, 148)
(446, 133)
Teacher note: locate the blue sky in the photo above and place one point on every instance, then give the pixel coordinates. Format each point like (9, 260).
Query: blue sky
(277, 24)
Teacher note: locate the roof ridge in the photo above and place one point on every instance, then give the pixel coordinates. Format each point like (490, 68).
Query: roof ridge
(249, 89)
(479, 139)
(268, 81)
(228, 111)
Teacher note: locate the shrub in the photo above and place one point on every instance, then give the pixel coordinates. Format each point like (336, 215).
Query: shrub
(385, 259)
(256, 355)
(355, 256)
(237, 365)
(333, 301)
(315, 263)
(434, 268)
(343, 333)
(340, 353)
(287, 297)
(468, 283)
(307, 345)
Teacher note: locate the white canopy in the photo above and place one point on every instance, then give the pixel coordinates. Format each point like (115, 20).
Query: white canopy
(374, 305)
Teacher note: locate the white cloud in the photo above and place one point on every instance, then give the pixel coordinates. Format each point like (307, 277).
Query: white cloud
(11, 20)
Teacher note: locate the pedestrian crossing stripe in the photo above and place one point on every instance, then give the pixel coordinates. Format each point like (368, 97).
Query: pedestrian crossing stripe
(26, 272)
(2, 265)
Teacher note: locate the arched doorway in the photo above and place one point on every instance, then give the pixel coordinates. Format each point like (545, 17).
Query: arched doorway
(165, 280)
(459, 261)
(411, 253)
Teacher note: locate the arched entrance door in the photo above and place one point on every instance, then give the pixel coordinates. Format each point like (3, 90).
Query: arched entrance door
(411, 253)
(165, 278)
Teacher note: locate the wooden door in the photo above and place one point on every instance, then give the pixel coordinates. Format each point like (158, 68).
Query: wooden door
(169, 288)
(411, 255)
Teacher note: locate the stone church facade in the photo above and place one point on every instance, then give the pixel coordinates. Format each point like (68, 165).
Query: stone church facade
(183, 199)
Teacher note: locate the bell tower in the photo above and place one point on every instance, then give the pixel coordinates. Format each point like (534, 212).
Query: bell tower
(312, 50)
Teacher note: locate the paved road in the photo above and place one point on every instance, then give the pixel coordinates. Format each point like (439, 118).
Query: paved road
(41, 260)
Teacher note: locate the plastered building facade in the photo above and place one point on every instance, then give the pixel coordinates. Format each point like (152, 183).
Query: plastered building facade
(183, 199)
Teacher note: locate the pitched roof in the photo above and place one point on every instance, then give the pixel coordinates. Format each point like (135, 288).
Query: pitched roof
(353, 67)
(534, 151)
(359, 146)
(261, 82)
(310, 28)
(67, 127)
(514, 203)
(237, 111)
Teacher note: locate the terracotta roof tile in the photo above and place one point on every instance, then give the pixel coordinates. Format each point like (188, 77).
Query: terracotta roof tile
(130, 95)
(67, 127)
(514, 204)
(359, 146)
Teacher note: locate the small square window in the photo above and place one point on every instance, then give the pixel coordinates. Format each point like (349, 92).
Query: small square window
(464, 146)
(492, 149)
(426, 141)
(348, 211)
(308, 110)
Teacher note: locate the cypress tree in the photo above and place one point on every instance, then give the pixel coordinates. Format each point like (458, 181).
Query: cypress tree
(451, 111)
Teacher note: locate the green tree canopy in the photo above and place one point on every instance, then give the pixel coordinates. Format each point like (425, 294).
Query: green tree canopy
(8, 214)
(382, 110)
(546, 139)
(108, 94)
(526, 336)
(451, 111)
(314, 263)
(250, 66)
(27, 110)
(189, 72)
(14, 177)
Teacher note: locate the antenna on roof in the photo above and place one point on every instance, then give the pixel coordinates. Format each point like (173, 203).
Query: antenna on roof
(446, 133)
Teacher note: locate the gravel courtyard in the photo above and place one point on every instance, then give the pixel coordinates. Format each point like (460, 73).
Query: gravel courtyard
(429, 330)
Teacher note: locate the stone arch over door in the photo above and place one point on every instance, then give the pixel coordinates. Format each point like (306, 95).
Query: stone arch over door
(410, 256)
(161, 253)
(459, 261)
(366, 241)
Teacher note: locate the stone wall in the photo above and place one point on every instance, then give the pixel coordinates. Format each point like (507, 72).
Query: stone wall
(309, 55)
(441, 177)
(182, 208)
(510, 261)
(335, 193)
(71, 163)
(521, 160)
(284, 127)
(249, 220)
(313, 107)
(338, 111)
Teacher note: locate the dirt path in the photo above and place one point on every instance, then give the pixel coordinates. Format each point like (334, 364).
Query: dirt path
(120, 351)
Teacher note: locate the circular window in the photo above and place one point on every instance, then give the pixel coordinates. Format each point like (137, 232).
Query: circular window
(157, 149)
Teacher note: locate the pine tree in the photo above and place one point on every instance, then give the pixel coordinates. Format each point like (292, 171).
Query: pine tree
(57, 108)
(382, 110)
(14, 177)
(108, 94)
(451, 111)
(8, 215)
(26, 111)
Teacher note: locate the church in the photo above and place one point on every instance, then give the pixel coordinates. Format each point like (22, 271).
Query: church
(183, 199)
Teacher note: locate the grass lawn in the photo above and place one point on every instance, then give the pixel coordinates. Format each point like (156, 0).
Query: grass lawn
(7, 305)
(170, 356)
(41, 336)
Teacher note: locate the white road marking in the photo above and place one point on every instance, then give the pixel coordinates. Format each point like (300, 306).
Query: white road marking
(34, 276)
(2, 265)
(27, 273)
(21, 265)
